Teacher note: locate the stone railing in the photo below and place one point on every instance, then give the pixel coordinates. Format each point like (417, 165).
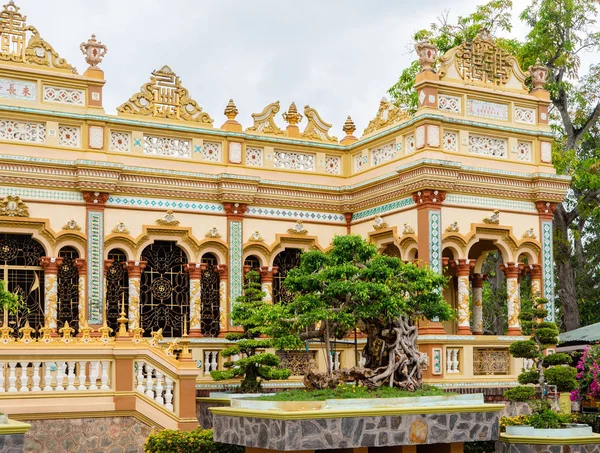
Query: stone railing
(453, 356)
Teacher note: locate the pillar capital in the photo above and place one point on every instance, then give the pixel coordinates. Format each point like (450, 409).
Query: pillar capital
(95, 200)
(134, 268)
(512, 270)
(107, 265)
(545, 209)
(429, 198)
(478, 279)
(463, 267)
(222, 270)
(81, 265)
(194, 269)
(235, 211)
(536, 271)
(50, 264)
(267, 273)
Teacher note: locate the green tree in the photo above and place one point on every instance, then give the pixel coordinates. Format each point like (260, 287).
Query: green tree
(10, 302)
(351, 285)
(559, 31)
(254, 366)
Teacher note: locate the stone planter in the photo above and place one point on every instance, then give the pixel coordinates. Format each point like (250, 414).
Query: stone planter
(12, 436)
(546, 440)
(577, 430)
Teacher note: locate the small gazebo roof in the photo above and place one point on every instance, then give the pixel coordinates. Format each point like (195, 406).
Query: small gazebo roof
(582, 336)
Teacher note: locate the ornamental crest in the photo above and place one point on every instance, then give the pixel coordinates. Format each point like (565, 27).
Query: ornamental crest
(120, 228)
(71, 225)
(256, 237)
(22, 43)
(408, 229)
(379, 224)
(164, 97)
(168, 219)
(213, 233)
(264, 121)
(387, 115)
(316, 129)
(13, 207)
(298, 228)
(493, 219)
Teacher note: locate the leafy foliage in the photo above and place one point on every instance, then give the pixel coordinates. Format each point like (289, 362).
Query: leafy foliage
(252, 365)
(558, 359)
(196, 441)
(10, 302)
(520, 393)
(351, 391)
(563, 377)
(588, 374)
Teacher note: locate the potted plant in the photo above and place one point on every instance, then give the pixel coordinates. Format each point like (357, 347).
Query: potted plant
(588, 376)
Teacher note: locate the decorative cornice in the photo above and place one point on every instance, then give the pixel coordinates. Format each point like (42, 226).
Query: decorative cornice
(429, 198)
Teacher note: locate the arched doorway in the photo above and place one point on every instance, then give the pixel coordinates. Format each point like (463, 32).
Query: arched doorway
(68, 288)
(392, 250)
(164, 289)
(20, 266)
(252, 262)
(117, 287)
(285, 261)
(210, 296)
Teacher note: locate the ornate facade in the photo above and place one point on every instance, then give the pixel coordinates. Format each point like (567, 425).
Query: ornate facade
(158, 211)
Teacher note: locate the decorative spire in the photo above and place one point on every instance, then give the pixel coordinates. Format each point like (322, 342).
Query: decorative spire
(539, 75)
(349, 126)
(231, 110)
(292, 117)
(94, 51)
(427, 54)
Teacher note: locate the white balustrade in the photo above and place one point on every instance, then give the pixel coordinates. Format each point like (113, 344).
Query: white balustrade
(335, 362)
(81, 375)
(149, 381)
(60, 376)
(24, 378)
(36, 377)
(159, 388)
(452, 360)
(12, 377)
(169, 394)
(71, 376)
(211, 361)
(94, 375)
(155, 384)
(104, 378)
(2, 377)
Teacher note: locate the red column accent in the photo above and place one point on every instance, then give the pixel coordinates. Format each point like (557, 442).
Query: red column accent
(50, 265)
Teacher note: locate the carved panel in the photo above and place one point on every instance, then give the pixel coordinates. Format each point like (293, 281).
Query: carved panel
(64, 95)
(487, 146)
(294, 161)
(120, 141)
(450, 141)
(333, 165)
(22, 131)
(254, 157)
(211, 152)
(166, 146)
(491, 361)
(69, 136)
(383, 154)
(449, 103)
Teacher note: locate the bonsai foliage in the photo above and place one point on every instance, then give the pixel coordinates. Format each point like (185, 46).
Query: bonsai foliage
(588, 374)
(9, 301)
(520, 393)
(551, 369)
(352, 286)
(252, 364)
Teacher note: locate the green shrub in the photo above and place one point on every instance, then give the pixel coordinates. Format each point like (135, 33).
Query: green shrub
(197, 441)
(563, 377)
(547, 335)
(529, 377)
(559, 358)
(480, 447)
(548, 419)
(524, 349)
(520, 393)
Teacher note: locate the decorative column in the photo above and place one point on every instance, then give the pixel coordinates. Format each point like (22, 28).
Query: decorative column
(512, 272)
(224, 317)
(463, 270)
(50, 266)
(546, 212)
(536, 280)
(81, 266)
(94, 202)
(195, 271)
(429, 240)
(134, 271)
(477, 282)
(235, 216)
(266, 280)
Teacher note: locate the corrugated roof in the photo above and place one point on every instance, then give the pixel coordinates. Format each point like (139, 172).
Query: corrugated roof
(587, 334)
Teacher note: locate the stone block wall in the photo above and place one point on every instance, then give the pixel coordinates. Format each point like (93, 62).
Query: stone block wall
(12, 443)
(505, 447)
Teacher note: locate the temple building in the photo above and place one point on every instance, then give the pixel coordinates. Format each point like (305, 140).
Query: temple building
(161, 209)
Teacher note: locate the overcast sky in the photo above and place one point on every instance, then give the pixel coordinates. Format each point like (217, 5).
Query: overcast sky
(338, 56)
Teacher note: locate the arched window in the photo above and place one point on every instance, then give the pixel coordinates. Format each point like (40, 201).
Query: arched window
(253, 262)
(164, 289)
(68, 288)
(285, 260)
(20, 266)
(117, 287)
(392, 250)
(210, 297)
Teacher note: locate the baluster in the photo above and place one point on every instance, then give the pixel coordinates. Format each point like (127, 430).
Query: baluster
(214, 364)
(94, 375)
(24, 377)
(81, 376)
(455, 360)
(149, 382)
(71, 376)
(448, 360)
(169, 394)
(140, 377)
(104, 378)
(12, 378)
(206, 362)
(2, 389)
(47, 377)
(36, 377)
(60, 376)
(337, 360)
(159, 388)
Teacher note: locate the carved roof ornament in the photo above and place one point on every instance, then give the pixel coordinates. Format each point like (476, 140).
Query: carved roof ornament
(379, 224)
(165, 97)
(292, 117)
(213, 233)
(453, 227)
(12, 206)
(408, 229)
(94, 51)
(120, 228)
(529, 234)
(316, 129)
(231, 110)
(168, 219)
(17, 46)
(264, 122)
(539, 75)
(387, 115)
(71, 225)
(349, 126)
(298, 228)
(427, 53)
(483, 62)
(256, 237)
(494, 218)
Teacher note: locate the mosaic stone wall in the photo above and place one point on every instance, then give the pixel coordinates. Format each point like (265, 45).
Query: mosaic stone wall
(12, 443)
(378, 431)
(204, 416)
(503, 447)
(87, 435)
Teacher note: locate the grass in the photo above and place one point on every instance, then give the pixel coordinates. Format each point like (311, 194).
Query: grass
(351, 391)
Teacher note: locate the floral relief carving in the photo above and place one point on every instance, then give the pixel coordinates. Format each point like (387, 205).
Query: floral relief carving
(529, 234)
(317, 128)
(71, 225)
(264, 122)
(298, 228)
(408, 229)
(256, 237)
(120, 228)
(387, 115)
(453, 227)
(379, 224)
(168, 219)
(13, 206)
(213, 233)
(494, 218)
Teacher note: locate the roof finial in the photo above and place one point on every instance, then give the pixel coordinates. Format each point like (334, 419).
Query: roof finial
(349, 129)
(231, 112)
(94, 51)
(292, 117)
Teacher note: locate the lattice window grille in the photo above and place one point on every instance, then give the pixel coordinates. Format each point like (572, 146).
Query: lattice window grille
(64, 95)
(254, 157)
(69, 136)
(333, 165)
(450, 141)
(383, 154)
(120, 141)
(358, 163)
(449, 103)
(411, 145)
(524, 115)
(294, 161)
(165, 146)
(21, 131)
(211, 152)
(487, 146)
(524, 151)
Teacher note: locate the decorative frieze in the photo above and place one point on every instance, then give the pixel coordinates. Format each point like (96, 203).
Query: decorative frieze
(383, 154)
(22, 131)
(60, 95)
(524, 151)
(487, 146)
(18, 89)
(524, 115)
(120, 141)
(486, 109)
(69, 136)
(294, 161)
(333, 165)
(548, 268)
(167, 146)
(254, 157)
(450, 141)
(449, 103)
(211, 152)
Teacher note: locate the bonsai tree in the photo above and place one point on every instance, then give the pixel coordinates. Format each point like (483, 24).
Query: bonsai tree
(352, 286)
(252, 364)
(549, 369)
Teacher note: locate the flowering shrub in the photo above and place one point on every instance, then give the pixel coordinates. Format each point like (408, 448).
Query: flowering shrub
(588, 374)
(197, 441)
